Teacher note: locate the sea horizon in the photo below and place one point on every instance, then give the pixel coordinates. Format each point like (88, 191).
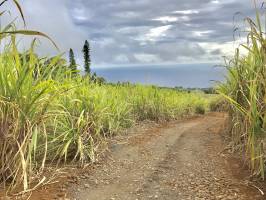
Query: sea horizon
(202, 75)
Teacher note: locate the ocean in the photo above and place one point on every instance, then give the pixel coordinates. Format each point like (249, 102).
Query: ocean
(178, 75)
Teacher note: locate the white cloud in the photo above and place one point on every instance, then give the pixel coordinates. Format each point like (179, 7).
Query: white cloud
(166, 19)
(201, 33)
(80, 14)
(157, 32)
(215, 1)
(169, 19)
(186, 12)
(227, 48)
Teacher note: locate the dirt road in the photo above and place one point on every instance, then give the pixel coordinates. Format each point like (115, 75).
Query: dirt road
(181, 160)
(184, 160)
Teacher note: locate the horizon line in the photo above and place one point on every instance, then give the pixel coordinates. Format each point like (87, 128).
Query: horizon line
(152, 64)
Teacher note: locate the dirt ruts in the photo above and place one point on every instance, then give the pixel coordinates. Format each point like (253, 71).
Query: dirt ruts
(181, 160)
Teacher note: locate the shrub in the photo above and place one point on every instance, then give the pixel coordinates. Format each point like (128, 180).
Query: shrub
(200, 109)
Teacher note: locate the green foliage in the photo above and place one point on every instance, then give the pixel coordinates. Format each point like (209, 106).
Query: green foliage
(87, 59)
(218, 105)
(72, 62)
(54, 118)
(26, 92)
(245, 92)
(200, 109)
(48, 116)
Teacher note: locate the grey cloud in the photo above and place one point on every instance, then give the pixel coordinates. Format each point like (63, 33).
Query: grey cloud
(124, 31)
(216, 52)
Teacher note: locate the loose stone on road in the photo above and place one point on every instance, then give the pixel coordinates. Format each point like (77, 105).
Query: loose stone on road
(182, 160)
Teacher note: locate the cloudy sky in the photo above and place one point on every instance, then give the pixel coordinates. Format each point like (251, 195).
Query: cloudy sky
(123, 32)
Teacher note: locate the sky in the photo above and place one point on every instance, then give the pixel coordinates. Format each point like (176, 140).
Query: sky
(128, 32)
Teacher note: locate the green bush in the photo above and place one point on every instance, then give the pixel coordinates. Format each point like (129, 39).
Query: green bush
(200, 109)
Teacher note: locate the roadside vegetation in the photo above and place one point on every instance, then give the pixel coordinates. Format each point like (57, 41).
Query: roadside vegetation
(51, 114)
(245, 91)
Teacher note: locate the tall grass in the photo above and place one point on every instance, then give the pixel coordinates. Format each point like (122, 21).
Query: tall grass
(245, 91)
(48, 116)
(25, 96)
(54, 119)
